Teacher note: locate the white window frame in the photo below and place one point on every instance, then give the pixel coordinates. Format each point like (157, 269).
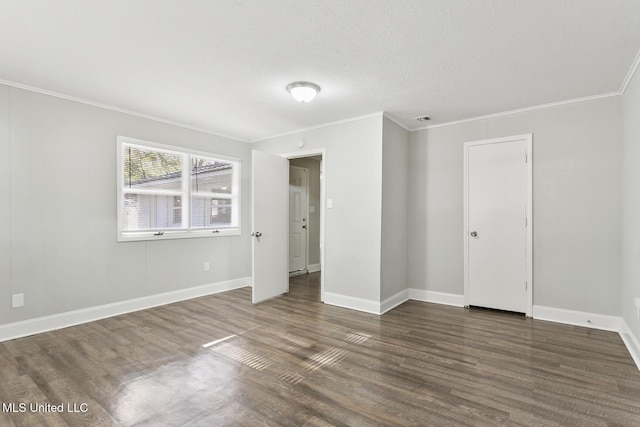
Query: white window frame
(186, 231)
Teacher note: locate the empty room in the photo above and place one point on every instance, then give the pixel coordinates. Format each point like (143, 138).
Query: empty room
(302, 213)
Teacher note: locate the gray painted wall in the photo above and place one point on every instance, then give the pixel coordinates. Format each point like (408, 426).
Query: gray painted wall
(631, 205)
(61, 189)
(57, 170)
(5, 208)
(435, 206)
(395, 180)
(577, 152)
(314, 200)
(353, 179)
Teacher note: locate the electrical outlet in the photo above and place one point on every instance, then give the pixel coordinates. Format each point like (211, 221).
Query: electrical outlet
(17, 300)
(207, 266)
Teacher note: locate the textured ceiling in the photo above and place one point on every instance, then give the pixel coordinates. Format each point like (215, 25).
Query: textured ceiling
(223, 65)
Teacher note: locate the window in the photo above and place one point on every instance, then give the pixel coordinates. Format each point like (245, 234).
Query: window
(169, 192)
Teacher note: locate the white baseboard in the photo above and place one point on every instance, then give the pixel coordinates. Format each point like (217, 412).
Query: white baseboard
(76, 317)
(352, 303)
(436, 297)
(594, 321)
(632, 343)
(375, 307)
(578, 318)
(394, 301)
(551, 314)
(314, 267)
(297, 273)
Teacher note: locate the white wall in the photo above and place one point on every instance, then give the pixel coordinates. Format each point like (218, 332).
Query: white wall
(61, 195)
(313, 165)
(576, 191)
(395, 180)
(631, 205)
(353, 180)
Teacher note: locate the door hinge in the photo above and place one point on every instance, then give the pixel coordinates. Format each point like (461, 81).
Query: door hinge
(526, 222)
(526, 285)
(526, 158)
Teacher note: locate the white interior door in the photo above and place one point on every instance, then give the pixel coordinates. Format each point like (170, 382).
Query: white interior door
(298, 224)
(270, 218)
(497, 240)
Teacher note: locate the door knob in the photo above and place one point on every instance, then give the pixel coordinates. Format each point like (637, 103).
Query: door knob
(256, 234)
(474, 234)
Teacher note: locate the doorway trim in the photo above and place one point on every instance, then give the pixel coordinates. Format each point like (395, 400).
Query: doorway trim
(528, 139)
(323, 176)
(306, 215)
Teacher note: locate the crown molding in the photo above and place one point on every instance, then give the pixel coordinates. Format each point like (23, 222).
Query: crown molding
(116, 109)
(521, 110)
(396, 121)
(339, 122)
(630, 73)
(629, 76)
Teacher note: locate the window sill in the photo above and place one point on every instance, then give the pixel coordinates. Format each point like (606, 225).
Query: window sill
(170, 235)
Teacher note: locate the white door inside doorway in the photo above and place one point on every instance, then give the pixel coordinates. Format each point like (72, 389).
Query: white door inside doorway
(318, 229)
(270, 197)
(298, 218)
(498, 248)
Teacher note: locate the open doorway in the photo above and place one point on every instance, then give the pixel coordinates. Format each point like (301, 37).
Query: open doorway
(270, 217)
(304, 215)
(299, 209)
(306, 218)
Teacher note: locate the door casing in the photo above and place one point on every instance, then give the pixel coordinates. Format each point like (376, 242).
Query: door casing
(323, 176)
(528, 140)
(305, 218)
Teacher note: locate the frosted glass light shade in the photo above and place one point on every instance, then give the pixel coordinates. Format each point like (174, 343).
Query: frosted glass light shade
(303, 91)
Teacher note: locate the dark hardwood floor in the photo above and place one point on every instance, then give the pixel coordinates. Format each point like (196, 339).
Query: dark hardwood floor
(294, 361)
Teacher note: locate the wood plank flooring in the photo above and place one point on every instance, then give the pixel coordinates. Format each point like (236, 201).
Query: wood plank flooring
(293, 361)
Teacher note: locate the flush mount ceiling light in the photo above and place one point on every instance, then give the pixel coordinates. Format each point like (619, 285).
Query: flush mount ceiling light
(303, 91)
